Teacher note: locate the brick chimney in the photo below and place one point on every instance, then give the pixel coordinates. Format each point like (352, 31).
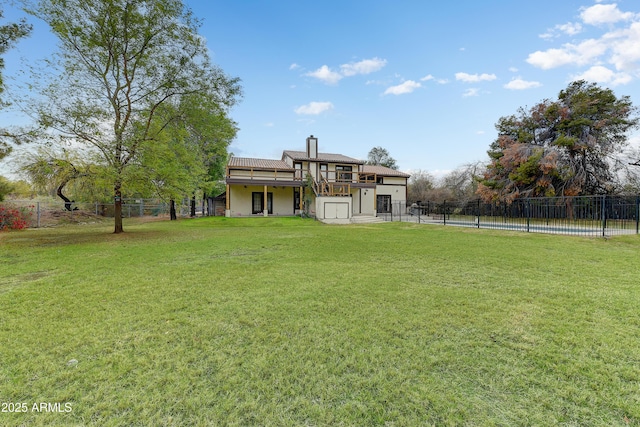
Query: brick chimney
(312, 147)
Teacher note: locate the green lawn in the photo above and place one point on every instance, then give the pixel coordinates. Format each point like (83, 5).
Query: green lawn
(287, 321)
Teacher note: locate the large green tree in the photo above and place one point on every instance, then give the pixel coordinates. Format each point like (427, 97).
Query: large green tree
(10, 33)
(196, 135)
(570, 146)
(121, 61)
(380, 157)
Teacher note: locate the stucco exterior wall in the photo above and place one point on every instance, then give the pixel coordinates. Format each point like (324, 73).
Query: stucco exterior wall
(366, 202)
(398, 193)
(393, 180)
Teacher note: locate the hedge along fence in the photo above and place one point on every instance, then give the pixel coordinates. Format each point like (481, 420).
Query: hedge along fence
(603, 215)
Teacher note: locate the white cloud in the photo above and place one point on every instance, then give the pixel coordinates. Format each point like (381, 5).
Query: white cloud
(613, 57)
(519, 84)
(329, 76)
(471, 92)
(570, 28)
(429, 77)
(600, 74)
(604, 14)
(625, 47)
(550, 58)
(294, 66)
(366, 66)
(406, 87)
(513, 69)
(314, 108)
(326, 75)
(474, 78)
(580, 54)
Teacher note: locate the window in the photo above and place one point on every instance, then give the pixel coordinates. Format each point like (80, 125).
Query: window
(379, 180)
(296, 198)
(324, 170)
(384, 203)
(257, 203)
(298, 167)
(341, 175)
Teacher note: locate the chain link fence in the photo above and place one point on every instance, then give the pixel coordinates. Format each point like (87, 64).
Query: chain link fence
(600, 216)
(48, 213)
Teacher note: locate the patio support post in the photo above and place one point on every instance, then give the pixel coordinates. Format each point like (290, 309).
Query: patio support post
(265, 208)
(227, 208)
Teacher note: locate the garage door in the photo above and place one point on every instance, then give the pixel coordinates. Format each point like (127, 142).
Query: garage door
(336, 210)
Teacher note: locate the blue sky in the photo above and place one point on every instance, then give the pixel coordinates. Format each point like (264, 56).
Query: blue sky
(425, 80)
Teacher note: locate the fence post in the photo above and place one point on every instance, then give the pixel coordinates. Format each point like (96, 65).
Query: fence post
(637, 214)
(444, 215)
(528, 213)
(141, 207)
(38, 215)
(478, 213)
(604, 214)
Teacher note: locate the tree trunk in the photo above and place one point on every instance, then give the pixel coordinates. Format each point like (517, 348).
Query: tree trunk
(172, 210)
(67, 202)
(117, 208)
(193, 206)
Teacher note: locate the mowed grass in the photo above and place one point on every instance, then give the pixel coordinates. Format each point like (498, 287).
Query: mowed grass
(282, 322)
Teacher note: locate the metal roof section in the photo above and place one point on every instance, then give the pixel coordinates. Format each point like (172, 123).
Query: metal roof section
(269, 164)
(321, 157)
(384, 171)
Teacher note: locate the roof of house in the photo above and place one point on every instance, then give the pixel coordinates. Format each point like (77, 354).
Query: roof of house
(384, 171)
(322, 157)
(269, 164)
(247, 162)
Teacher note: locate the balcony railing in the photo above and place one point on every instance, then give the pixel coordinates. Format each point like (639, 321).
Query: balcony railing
(342, 177)
(323, 187)
(353, 177)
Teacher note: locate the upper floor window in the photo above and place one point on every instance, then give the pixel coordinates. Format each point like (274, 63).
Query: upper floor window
(343, 173)
(324, 170)
(298, 167)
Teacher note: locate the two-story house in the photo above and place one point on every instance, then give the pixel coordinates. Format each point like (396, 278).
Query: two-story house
(331, 187)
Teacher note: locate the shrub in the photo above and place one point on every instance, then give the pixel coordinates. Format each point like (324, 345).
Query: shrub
(15, 218)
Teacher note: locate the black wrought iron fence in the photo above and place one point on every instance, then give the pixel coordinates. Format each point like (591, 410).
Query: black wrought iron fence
(582, 215)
